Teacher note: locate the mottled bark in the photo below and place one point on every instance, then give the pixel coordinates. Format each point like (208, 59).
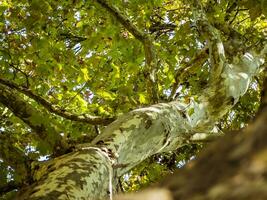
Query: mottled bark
(234, 167)
(69, 176)
(137, 135)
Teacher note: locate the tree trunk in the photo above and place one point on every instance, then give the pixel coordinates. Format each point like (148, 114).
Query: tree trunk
(234, 167)
(90, 171)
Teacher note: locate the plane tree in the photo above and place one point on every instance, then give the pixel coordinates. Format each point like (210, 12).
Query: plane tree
(100, 97)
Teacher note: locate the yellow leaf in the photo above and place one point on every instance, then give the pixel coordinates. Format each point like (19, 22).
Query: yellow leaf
(79, 24)
(59, 96)
(116, 71)
(142, 98)
(106, 95)
(59, 66)
(85, 73)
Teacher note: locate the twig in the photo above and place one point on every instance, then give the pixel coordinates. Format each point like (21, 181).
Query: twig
(25, 74)
(243, 20)
(234, 17)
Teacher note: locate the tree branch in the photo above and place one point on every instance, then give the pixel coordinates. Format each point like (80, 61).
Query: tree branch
(94, 120)
(181, 73)
(10, 186)
(46, 131)
(124, 20)
(151, 61)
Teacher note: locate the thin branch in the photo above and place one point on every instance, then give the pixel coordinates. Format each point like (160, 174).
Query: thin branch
(72, 37)
(25, 74)
(229, 10)
(234, 17)
(213, 36)
(241, 21)
(181, 73)
(151, 61)
(152, 66)
(77, 93)
(124, 20)
(94, 120)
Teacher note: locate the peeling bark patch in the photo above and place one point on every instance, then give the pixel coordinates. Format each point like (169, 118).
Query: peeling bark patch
(51, 168)
(75, 177)
(135, 121)
(167, 131)
(165, 140)
(116, 166)
(183, 114)
(100, 142)
(34, 190)
(148, 123)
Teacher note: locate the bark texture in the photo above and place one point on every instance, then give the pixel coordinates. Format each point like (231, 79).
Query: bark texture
(69, 176)
(234, 167)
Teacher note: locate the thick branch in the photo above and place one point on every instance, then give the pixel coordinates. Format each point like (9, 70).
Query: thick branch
(151, 61)
(51, 108)
(84, 174)
(10, 186)
(152, 67)
(37, 121)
